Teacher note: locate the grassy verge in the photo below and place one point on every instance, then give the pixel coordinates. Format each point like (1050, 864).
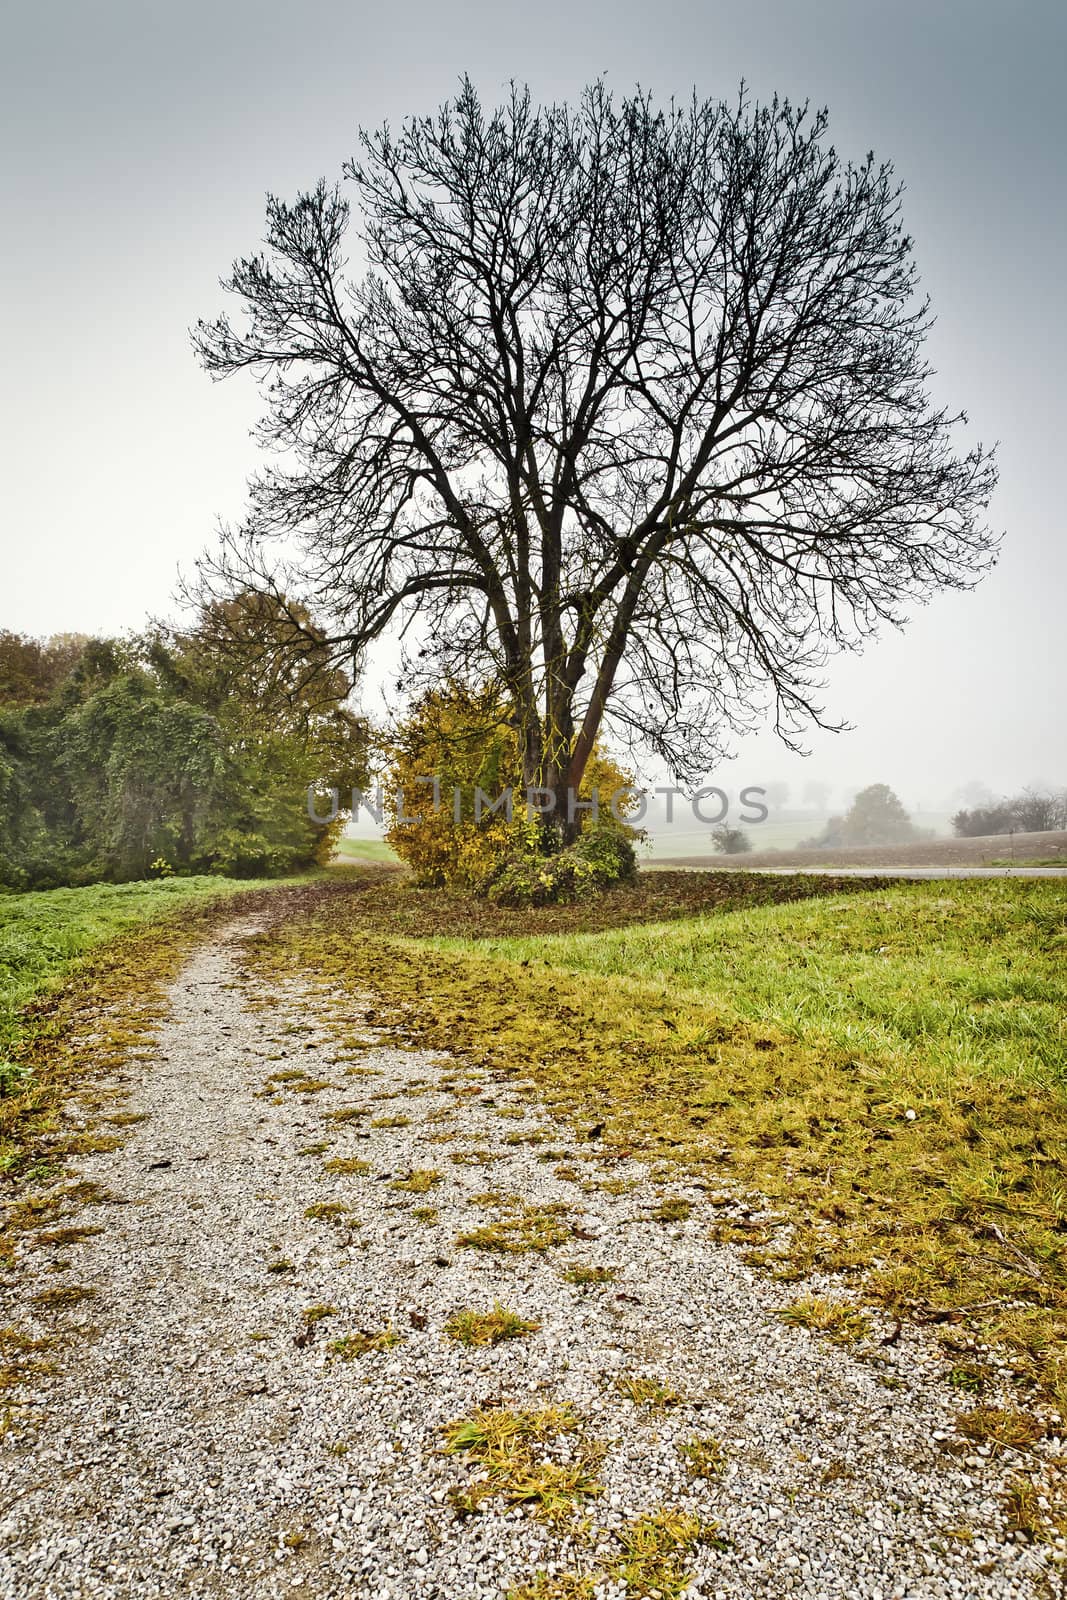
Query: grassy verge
(65, 956)
(888, 1066)
(933, 980)
(44, 935)
(1027, 861)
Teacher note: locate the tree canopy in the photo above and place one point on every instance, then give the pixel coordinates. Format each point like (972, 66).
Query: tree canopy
(625, 404)
(876, 816)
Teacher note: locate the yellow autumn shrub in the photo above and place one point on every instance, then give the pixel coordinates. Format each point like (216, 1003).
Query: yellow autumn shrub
(464, 740)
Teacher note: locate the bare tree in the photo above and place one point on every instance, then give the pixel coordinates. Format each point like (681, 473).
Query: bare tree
(628, 408)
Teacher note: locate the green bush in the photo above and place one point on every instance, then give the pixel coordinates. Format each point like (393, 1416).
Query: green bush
(603, 855)
(730, 841)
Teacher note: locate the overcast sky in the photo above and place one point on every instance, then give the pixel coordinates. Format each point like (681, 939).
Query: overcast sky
(140, 138)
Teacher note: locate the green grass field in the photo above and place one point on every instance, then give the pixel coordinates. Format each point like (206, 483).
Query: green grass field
(965, 976)
(366, 850)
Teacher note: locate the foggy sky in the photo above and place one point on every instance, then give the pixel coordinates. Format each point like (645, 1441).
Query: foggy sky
(139, 140)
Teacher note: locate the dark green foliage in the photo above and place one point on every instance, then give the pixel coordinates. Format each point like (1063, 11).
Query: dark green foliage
(31, 670)
(186, 753)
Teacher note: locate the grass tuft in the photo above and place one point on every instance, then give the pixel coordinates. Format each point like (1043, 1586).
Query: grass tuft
(703, 1457)
(476, 1328)
(990, 1425)
(524, 1458)
(585, 1277)
(419, 1181)
(654, 1549)
(1025, 1512)
(319, 1313)
(843, 1324)
(473, 1158)
(522, 1229)
(353, 1345)
(20, 1358)
(648, 1392)
(491, 1428)
(62, 1297)
(61, 1237)
(555, 1586)
(969, 1376)
(327, 1211)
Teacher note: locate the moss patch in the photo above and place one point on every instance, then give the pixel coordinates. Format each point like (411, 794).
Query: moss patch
(521, 1229)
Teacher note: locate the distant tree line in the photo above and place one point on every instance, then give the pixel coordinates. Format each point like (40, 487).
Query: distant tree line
(1032, 811)
(169, 753)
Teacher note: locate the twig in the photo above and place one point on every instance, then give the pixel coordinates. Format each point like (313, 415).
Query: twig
(1024, 1261)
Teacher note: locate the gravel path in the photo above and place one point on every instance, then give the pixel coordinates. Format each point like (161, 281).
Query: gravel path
(206, 1436)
